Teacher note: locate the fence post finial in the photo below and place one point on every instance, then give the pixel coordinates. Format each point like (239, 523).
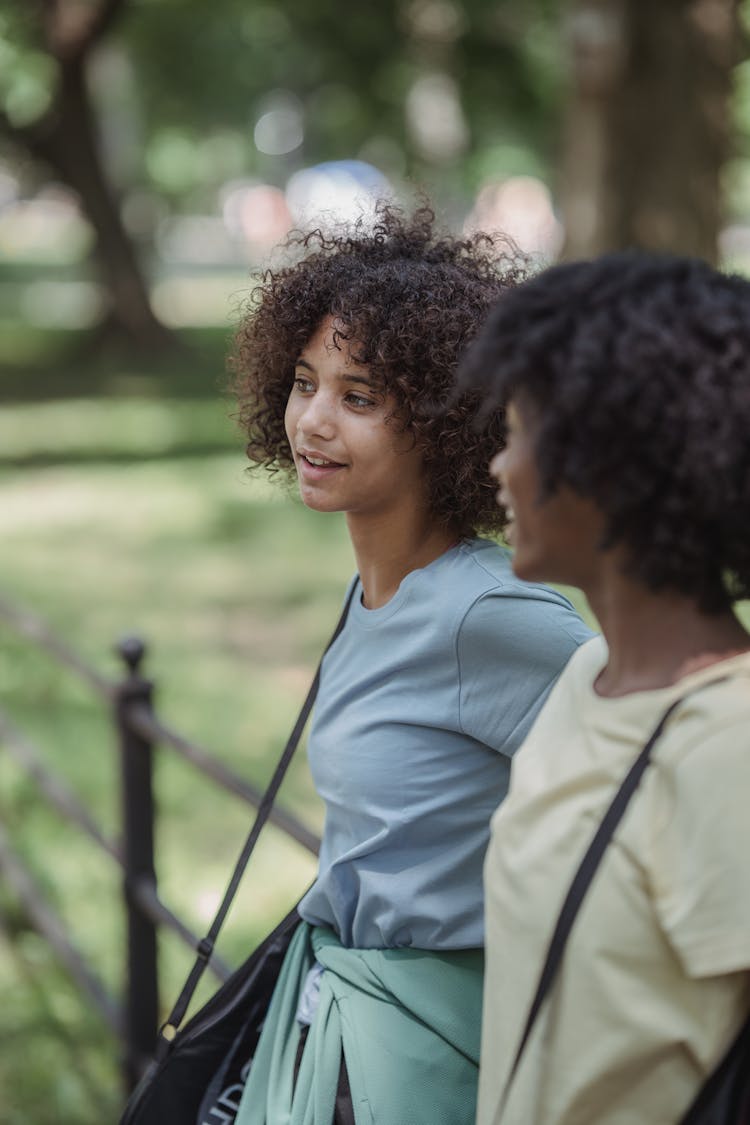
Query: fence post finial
(131, 651)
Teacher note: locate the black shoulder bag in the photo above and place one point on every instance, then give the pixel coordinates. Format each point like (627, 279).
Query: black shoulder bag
(198, 1074)
(724, 1098)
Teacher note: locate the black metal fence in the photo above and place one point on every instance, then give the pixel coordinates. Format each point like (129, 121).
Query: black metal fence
(134, 1016)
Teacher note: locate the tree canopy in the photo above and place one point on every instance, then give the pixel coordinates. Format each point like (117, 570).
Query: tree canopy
(173, 98)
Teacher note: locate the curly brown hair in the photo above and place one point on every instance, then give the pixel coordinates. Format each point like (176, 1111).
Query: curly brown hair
(406, 301)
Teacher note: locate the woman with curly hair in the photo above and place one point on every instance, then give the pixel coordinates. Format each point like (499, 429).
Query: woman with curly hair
(444, 660)
(626, 387)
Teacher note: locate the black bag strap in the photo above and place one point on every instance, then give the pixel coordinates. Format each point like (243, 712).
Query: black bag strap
(205, 946)
(585, 873)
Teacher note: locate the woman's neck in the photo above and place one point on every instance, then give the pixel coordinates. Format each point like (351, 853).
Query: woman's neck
(654, 639)
(386, 554)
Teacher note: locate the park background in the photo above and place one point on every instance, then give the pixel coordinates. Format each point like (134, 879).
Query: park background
(152, 153)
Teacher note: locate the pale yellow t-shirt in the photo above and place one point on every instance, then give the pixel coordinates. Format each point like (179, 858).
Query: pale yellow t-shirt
(654, 982)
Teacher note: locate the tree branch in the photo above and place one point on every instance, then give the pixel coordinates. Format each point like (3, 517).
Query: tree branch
(102, 20)
(78, 31)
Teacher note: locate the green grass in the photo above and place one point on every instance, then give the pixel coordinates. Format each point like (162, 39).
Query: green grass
(131, 428)
(37, 364)
(134, 514)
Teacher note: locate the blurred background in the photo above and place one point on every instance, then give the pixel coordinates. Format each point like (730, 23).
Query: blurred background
(152, 155)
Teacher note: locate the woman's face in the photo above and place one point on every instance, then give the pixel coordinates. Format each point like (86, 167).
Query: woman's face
(556, 539)
(349, 456)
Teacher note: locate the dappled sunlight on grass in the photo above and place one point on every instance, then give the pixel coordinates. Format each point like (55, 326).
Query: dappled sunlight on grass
(146, 500)
(130, 428)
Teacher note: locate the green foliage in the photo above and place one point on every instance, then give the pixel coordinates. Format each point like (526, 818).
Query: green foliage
(352, 73)
(193, 83)
(27, 72)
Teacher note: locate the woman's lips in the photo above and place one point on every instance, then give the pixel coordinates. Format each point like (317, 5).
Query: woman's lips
(503, 500)
(314, 466)
(510, 516)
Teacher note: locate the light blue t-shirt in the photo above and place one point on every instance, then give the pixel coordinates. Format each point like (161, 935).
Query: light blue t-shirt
(421, 705)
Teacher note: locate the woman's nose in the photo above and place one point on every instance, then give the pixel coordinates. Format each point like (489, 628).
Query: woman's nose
(316, 418)
(496, 465)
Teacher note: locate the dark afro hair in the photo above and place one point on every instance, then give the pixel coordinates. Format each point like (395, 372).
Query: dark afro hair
(406, 301)
(637, 369)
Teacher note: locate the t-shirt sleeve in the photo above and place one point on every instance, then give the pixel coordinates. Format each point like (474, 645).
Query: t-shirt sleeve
(700, 872)
(510, 652)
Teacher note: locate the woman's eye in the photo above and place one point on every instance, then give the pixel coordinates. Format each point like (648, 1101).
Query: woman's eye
(302, 383)
(359, 400)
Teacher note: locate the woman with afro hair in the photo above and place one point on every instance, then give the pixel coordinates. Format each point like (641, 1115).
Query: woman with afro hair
(625, 383)
(341, 368)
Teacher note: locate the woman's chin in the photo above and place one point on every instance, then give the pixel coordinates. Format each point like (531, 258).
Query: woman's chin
(524, 565)
(315, 502)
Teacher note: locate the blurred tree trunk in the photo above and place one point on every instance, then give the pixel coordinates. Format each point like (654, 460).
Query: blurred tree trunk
(648, 128)
(65, 139)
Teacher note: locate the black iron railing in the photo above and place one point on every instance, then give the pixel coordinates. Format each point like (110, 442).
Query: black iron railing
(134, 1016)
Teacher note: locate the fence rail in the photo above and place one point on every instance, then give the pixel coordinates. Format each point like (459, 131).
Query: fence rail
(48, 923)
(129, 702)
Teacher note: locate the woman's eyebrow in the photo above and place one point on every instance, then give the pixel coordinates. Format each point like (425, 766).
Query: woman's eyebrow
(348, 378)
(300, 362)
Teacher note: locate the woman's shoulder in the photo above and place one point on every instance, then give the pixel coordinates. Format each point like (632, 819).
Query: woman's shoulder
(714, 705)
(490, 567)
(494, 590)
(486, 565)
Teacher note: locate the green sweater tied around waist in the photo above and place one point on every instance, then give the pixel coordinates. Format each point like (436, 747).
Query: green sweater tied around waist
(408, 1021)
